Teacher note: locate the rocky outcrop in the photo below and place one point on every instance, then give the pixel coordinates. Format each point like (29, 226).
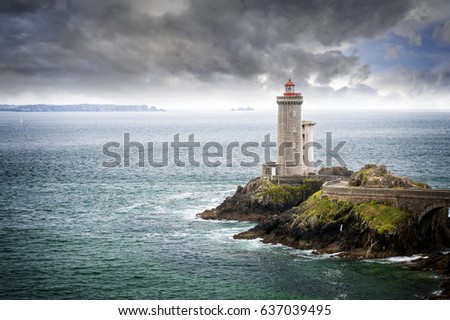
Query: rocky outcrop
(300, 215)
(335, 171)
(261, 198)
(369, 230)
(361, 229)
(440, 263)
(374, 176)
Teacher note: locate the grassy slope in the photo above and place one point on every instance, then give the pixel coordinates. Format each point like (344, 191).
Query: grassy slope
(283, 194)
(318, 210)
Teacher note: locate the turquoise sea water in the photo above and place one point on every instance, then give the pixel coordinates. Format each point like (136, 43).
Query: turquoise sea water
(72, 229)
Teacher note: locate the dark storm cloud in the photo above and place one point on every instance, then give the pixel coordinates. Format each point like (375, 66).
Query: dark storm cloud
(24, 6)
(118, 43)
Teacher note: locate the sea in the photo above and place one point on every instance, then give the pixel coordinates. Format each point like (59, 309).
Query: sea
(83, 218)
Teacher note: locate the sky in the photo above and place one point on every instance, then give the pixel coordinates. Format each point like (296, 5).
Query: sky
(223, 54)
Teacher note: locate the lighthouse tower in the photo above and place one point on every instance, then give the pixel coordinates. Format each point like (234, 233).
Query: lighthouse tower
(294, 138)
(289, 132)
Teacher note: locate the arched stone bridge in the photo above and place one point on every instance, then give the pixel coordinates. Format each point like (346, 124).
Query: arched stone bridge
(422, 203)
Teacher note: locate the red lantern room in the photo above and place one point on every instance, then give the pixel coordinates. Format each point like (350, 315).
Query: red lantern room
(290, 92)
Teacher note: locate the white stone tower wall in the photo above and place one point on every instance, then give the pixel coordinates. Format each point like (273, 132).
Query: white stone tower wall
(308, 140)
(290, 130)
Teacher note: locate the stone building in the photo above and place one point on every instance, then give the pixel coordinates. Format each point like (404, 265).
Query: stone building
(294, 138)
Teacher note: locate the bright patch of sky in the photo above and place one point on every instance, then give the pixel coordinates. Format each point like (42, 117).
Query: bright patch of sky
(393, 50)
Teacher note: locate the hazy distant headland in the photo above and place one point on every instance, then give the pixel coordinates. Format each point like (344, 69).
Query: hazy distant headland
(78, 108)
(243, 109)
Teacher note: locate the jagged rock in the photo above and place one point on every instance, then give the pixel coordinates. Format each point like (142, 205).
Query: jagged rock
(369, 230)
(358, 230)
(261, 198)
(374, 176)
(440, 263)
(335, 171)
(300, 216)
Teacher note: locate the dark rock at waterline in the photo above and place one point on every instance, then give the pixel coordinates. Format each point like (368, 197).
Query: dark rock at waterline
(439, 263)
(355, 231)
(262, 198)
(298, 215)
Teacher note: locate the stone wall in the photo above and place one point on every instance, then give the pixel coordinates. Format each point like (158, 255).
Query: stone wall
(418, 202)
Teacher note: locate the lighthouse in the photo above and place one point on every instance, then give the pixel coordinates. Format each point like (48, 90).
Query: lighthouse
(294, 138)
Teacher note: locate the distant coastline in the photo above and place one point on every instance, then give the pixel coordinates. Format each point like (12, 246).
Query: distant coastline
(243, 109)
(79, 108)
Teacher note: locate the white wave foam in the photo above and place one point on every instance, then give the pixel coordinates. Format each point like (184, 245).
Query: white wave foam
(398, 259)
(180, 196)
(136, 206)
(405, 259)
